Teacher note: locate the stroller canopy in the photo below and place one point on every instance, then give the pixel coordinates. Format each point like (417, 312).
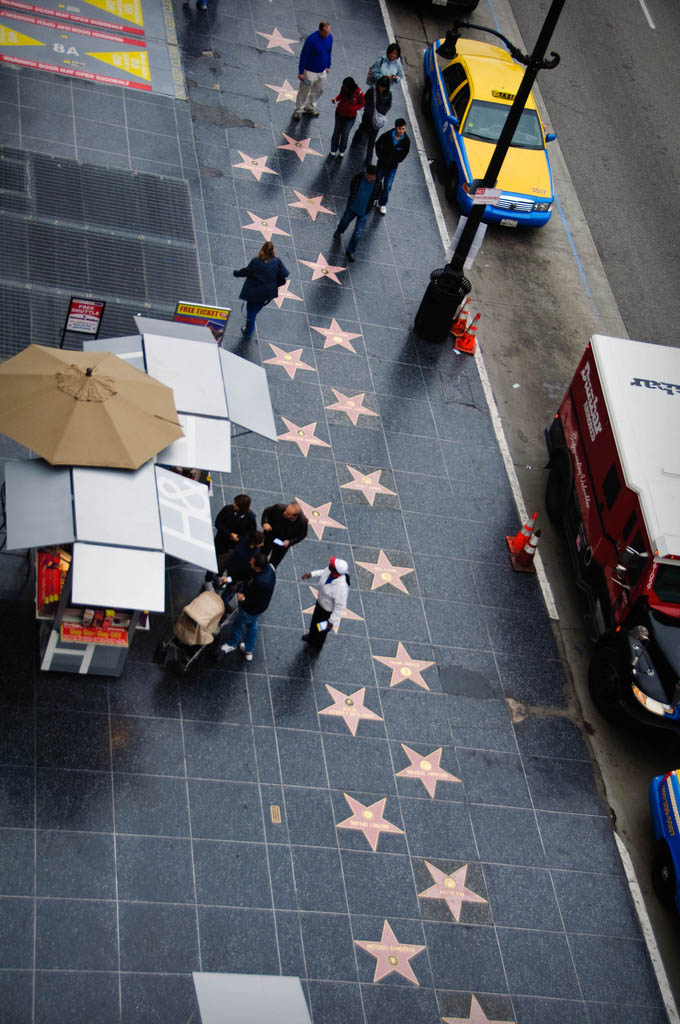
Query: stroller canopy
(198, 623)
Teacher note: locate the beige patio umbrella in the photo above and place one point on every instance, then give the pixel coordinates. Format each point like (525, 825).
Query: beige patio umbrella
(85, 408)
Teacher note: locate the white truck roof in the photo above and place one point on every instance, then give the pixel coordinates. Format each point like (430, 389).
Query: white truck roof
(641, 386)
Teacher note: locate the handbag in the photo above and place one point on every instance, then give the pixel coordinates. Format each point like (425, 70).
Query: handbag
(378, 119)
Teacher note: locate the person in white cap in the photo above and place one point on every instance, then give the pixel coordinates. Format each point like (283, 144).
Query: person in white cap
(331, 601)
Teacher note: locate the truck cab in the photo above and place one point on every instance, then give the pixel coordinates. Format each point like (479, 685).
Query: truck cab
(614, 483)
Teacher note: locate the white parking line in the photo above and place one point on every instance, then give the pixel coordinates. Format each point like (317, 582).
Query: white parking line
(646, 13)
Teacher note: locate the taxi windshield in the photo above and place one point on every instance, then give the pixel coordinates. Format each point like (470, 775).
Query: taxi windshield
(485, 122)
(667, 583)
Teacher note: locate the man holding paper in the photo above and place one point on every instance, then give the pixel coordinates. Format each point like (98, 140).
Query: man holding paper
(331, 601)
(283, 526)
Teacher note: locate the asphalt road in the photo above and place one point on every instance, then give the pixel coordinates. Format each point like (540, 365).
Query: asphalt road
(605, 263)
(615, 105)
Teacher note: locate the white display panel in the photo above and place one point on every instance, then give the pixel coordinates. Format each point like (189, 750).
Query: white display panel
(247, 390)
(250, 999)
(37, 504)
(206, 445)
(174, 329)
(192, 369)
(186, 519)
(120, 578)
(129, 349)
(117, 506)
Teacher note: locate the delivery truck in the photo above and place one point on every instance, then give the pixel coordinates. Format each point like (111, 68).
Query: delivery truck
(614, 484)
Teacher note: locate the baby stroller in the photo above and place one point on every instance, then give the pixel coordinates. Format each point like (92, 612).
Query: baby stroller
(197, 628)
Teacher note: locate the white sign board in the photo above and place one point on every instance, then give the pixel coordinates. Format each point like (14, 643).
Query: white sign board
(486, 196)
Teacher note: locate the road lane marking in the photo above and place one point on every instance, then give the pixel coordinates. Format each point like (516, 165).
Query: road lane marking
(647, 15)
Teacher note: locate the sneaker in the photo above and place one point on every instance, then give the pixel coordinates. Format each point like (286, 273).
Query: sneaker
(349, 257)
(228, 648)
(297, 115)
(382, 209)
(246, 336)
(312, 111)
(248, 655)
(306, 637)
(333, 153)
(340, 154)
(336, 234)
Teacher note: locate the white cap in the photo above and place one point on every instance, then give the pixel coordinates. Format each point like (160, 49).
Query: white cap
(339, 565)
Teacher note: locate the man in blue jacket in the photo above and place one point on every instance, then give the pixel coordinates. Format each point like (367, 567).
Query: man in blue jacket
(364, 191)
(315, 63)
(253, 600)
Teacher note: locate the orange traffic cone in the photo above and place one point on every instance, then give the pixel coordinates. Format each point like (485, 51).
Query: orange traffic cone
(516, 543)
(524, 561)
(459, 325)
(467, 342)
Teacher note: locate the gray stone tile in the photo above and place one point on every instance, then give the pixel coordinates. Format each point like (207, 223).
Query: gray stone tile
(538, 963)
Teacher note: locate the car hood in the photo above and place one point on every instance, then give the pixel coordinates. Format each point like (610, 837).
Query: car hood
(524, 171)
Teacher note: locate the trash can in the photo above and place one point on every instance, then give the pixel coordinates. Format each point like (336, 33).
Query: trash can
(437, 311)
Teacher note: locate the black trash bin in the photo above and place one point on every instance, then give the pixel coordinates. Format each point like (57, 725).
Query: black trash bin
(447, 288)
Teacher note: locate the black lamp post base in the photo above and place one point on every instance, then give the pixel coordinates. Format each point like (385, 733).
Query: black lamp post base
(439, 305)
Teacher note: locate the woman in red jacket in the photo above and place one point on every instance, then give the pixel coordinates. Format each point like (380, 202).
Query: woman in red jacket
(349, 101)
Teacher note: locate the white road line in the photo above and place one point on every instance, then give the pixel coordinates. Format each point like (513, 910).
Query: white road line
(484, 377)
(647, 15)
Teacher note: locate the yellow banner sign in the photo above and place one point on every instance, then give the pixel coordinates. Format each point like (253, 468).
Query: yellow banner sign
(130, 10)
(10, 37)
(130, 63)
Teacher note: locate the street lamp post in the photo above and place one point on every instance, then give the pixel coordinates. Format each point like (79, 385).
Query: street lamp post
(440, 301)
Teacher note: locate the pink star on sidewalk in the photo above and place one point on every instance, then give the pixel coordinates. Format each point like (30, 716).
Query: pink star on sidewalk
(335, 336)
(284, 292)
(384, 573)
(477, 1016)
(352, 405)
(267, 227)
(369, 820)
(321, 268)
(276, 39)
(319, 517)
(303, 437)
(450, 888)
(391, 955)
(300, 147)
(428, 769)
(404, 667)
(290, 361)
(350, 707)
(311, 204)
(368, 483)
(255, 164)
(286, 91)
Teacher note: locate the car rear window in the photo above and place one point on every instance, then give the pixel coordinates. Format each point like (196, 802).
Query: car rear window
(485, 121)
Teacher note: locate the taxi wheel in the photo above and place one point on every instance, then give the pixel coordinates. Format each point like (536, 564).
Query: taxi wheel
(451, 183)
(663, 874)
(426, 99)
(605, 682)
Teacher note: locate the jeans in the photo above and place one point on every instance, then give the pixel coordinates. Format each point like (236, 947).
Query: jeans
(343, 126)
(244, 622)
(346, 219)
(252, 309)
(387, 178)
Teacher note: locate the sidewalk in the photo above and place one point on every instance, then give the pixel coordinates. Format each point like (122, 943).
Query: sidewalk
(436, 857)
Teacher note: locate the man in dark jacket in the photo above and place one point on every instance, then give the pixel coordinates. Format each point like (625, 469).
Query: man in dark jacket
(364, 190)
(233, 522)
(253, 600)
(283, 526)
(391, 148)
(377, 105)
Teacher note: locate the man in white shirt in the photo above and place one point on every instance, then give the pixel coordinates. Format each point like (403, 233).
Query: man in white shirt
(331, 601)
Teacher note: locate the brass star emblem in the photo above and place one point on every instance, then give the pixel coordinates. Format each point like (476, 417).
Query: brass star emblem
(391, 955)
(303, 437)
(334, 335)
(319, 517)
(311, 204)
(352, 405)
(321, 268)
(386, 574)
(275, 39)
(347, 614)
(405, 668)
(290, 361)
(350, 707)
(301, 147)
(450, 888)
(286, 91)
(369, 820)
(368, 483)
(428, 769)
(266, 226)
(477, 1016)
(284, 292)
(257, 165)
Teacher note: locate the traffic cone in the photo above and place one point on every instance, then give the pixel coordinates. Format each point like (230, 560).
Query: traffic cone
(459, 325)
(524, 561)
(516, 543)
(467, 342)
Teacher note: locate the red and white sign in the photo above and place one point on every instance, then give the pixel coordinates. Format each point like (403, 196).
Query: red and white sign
(485, 195)
(84, 316)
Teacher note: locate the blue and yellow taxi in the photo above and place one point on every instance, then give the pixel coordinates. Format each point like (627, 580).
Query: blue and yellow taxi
(468, 99)
(664, 802)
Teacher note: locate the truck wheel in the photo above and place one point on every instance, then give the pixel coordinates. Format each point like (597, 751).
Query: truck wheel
(663, 874)
(451, 183)
(426, 99)
(557, 487)
(606, 681)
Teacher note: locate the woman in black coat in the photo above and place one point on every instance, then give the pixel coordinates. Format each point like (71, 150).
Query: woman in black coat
(264, 276)
(376, 108)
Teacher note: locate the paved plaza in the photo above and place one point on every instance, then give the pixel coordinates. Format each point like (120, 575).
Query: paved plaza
(408, 821)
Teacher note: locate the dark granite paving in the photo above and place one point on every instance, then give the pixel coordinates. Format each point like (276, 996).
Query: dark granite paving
(140, 838)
